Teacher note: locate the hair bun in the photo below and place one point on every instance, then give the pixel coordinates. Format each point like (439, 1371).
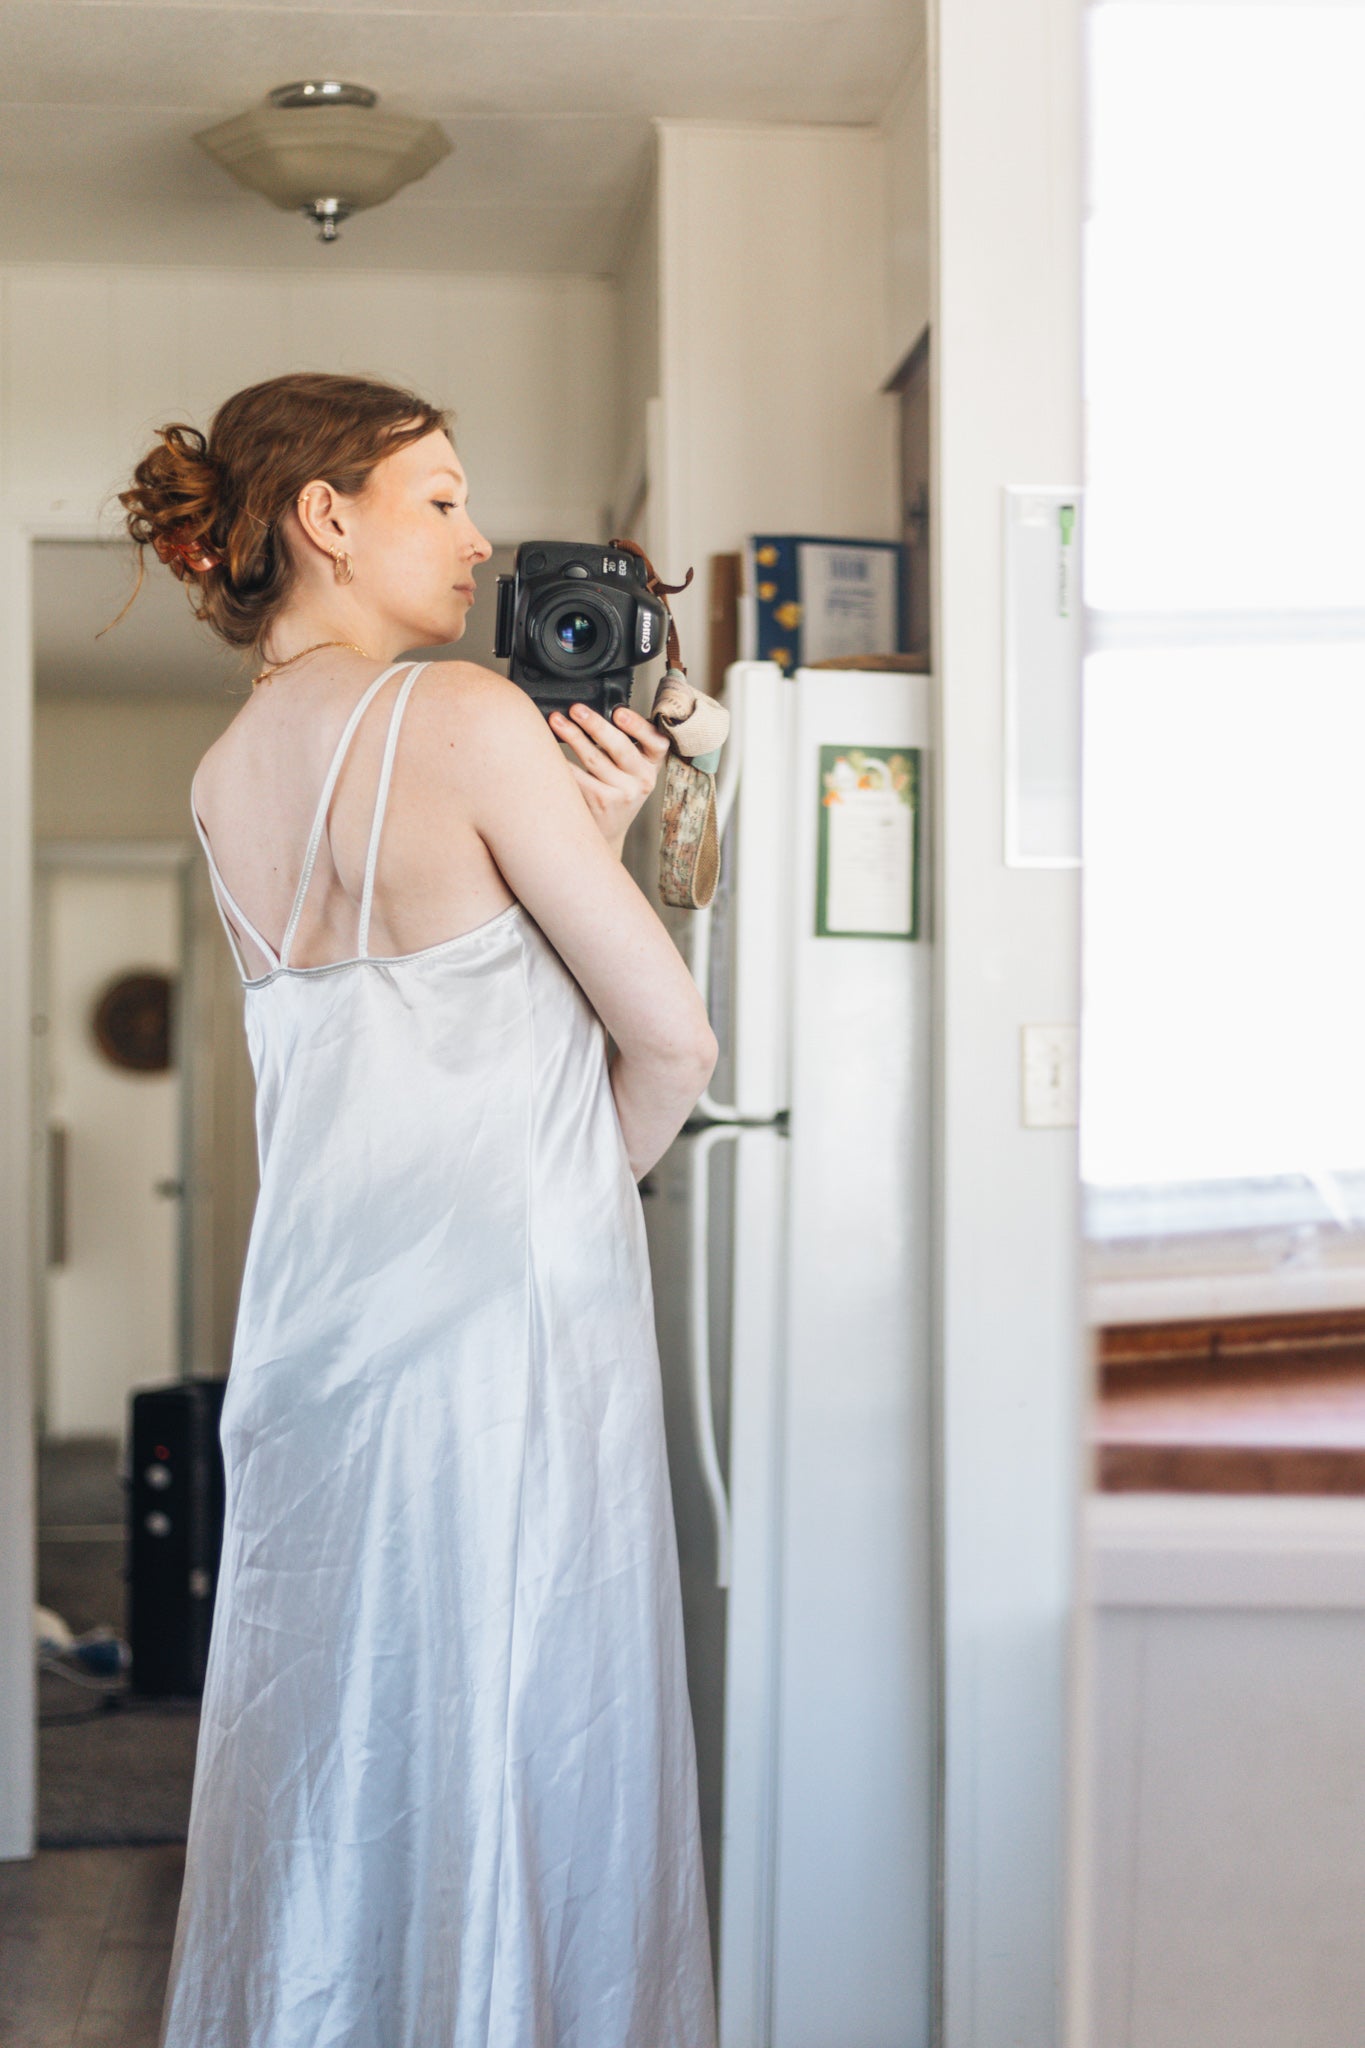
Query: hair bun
(175, 500)
(215, 506)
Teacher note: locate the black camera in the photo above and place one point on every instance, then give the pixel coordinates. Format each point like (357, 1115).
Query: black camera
(575, 620)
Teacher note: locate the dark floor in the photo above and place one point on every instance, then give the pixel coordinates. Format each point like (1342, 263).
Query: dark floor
(85, 1943)
(113, 1770)
(85, 1933)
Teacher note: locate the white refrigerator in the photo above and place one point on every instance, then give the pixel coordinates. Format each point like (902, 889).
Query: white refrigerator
(788, 1229)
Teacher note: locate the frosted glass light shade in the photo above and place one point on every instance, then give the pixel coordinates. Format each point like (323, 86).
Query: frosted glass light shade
(325, 161)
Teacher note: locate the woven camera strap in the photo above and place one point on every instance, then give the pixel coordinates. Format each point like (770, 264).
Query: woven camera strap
(695, 727)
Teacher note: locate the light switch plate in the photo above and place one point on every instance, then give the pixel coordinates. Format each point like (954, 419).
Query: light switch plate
(1050, 1076)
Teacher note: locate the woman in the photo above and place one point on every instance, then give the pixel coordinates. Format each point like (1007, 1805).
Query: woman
(445, 1787)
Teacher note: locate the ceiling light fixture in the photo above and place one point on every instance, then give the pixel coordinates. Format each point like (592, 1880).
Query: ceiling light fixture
(320, 148)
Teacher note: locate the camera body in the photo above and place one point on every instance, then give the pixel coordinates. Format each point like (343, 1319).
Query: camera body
(575, 620)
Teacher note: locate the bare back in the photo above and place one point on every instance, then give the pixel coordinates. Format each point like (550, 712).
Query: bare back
(258, 788)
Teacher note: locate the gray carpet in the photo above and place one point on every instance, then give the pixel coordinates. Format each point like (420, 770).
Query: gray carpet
(116, 1769)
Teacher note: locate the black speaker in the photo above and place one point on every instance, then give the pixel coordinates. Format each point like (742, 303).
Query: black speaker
(175, 1532)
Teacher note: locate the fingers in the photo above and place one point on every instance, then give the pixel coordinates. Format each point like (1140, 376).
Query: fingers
(646, 734)
(614, 742)
(591, 736)
(603, 765)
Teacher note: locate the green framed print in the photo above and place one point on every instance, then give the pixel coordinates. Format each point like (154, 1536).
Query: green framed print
(867, 859)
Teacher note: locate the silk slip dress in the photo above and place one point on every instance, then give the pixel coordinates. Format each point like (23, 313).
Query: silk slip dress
(445, 1790)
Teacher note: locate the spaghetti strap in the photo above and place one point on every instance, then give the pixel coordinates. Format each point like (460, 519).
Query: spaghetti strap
(224, 901)
(380, 804)
(320, 815)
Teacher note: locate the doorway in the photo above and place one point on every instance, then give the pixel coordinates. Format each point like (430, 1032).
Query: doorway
(141, 1146)
(114, 1187)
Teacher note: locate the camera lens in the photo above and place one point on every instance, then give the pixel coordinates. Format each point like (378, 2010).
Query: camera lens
(576, 632)
(573, 633)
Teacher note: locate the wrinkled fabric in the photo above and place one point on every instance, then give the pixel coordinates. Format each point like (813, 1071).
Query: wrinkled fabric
(445, 1794)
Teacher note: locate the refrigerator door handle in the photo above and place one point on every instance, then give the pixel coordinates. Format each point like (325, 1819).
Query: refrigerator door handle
(727, 788)
(699, 1341)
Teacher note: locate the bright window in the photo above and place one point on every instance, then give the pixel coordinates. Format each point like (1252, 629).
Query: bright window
(1224, 710)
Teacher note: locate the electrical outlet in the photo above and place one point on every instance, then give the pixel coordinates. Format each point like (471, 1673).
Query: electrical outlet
(1050, 1076)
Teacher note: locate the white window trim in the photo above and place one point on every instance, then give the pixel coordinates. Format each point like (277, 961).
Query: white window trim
(1180, 1297)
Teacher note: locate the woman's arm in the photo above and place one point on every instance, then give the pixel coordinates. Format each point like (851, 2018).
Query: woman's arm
(532, 816)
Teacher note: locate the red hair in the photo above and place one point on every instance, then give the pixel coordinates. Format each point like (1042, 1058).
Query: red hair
(212, 505)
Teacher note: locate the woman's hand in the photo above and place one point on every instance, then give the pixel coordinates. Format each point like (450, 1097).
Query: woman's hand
(618, 763)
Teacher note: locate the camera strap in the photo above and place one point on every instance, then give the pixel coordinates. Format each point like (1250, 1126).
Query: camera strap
(696, 727)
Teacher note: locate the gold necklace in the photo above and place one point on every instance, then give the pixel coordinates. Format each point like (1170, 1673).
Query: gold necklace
(274, 668)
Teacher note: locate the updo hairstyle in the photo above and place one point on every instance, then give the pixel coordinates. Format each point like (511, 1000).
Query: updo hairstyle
(212, 506)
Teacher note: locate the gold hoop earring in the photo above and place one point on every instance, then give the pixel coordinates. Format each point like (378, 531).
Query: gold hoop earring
(343, 565)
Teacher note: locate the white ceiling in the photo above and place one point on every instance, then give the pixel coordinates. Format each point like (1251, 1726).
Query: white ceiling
(159, 649)
(548, 107)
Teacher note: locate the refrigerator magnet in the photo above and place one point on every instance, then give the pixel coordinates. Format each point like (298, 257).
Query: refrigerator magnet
(867, 859)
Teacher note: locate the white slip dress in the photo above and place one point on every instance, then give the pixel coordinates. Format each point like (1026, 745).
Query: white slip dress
(445, 1786)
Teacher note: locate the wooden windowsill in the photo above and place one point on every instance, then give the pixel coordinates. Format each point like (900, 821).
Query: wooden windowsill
(1249, 1405)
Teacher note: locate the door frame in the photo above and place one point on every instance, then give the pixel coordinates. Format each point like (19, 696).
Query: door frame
(21, 527)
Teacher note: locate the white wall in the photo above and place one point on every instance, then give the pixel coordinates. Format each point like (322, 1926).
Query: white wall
(905, 125)
(91, 357)
(773, 340)
(637, 365)
(1228, 1849)
(1005, 107)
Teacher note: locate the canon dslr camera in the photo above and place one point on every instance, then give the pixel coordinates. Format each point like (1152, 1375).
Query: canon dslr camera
(575, 620)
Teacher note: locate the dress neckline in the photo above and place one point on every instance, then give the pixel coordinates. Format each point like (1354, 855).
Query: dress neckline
(279, 973)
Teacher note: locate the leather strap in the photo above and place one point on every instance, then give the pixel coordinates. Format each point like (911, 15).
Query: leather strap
(696, 727)
(656, 586)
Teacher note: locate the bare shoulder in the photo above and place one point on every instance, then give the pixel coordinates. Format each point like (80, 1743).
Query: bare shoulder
(467, 713)
(467, 690)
